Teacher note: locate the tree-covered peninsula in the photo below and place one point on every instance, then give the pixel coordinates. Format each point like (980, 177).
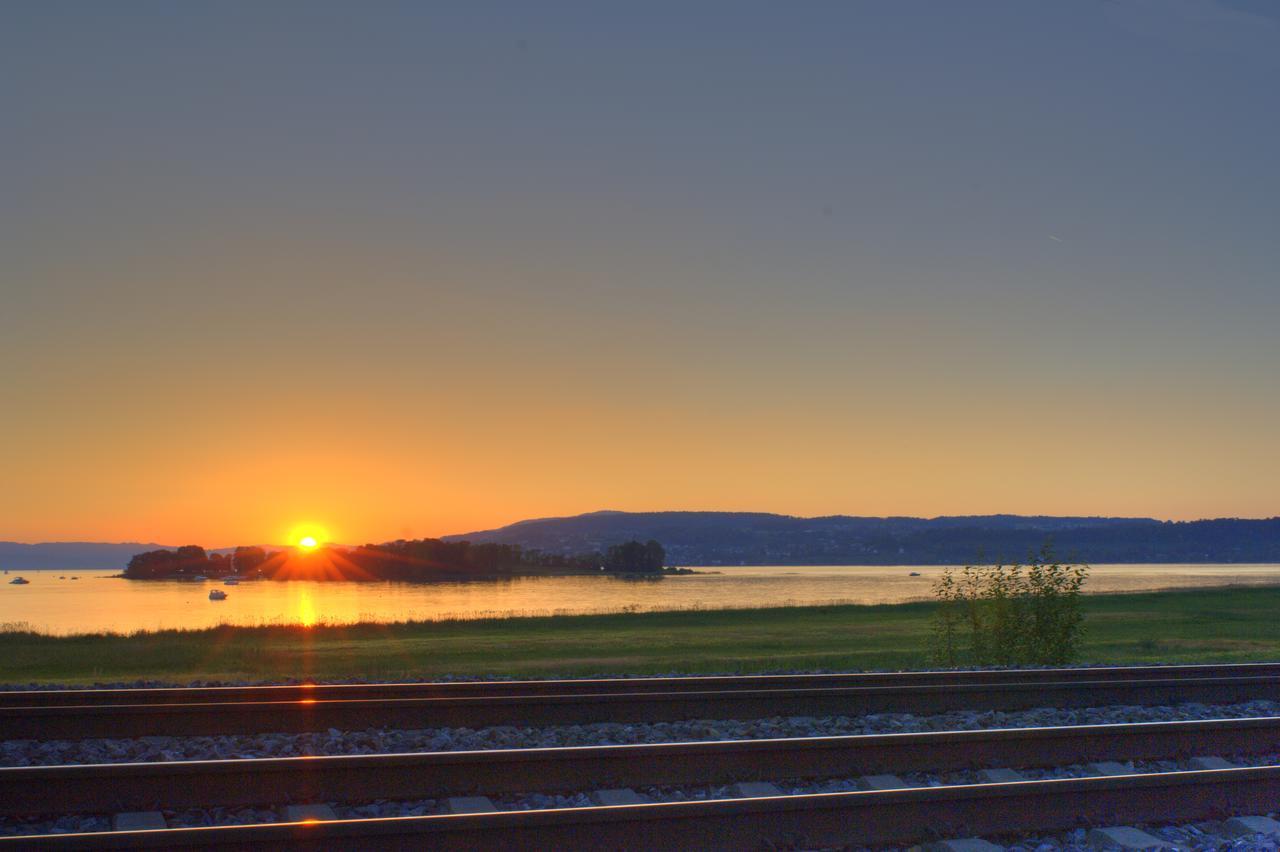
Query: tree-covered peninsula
(418, 560)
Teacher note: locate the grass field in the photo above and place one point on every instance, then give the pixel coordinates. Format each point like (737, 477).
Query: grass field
(1217, 625)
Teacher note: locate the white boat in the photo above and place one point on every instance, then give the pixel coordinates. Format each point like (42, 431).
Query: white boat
(18, 581)
(217, 595)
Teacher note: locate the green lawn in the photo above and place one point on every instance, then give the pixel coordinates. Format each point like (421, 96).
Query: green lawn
(1217, 625)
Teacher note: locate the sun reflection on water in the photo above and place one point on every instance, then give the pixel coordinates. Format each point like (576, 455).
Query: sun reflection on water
(306, 608)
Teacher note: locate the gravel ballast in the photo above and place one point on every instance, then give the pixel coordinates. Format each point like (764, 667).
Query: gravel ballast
(1209, 835)
(1198, 836)
(391, 741)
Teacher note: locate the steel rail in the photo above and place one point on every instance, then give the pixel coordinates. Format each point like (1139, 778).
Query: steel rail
(830, 819)
(598, 686)
(120, 787)
(209, 718)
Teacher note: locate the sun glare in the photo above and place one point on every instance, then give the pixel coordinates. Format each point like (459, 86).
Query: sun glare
(308, 536)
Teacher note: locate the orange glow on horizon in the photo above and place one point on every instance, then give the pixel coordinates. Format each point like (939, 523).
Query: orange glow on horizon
(307, 537)
(311, 563)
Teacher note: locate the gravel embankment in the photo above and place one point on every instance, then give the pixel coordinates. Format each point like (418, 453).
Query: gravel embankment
(389, 741)
(1193, 836)
(1210, 836)
(1198, 836)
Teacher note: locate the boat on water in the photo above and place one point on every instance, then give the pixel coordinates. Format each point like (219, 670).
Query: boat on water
(914, 574)
(18, 581)
(217, 595)
(231, 581)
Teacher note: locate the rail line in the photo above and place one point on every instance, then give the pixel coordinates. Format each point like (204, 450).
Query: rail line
(598, 686)
(659, 700)
(119, 787)
(868, 817)
(821, 820)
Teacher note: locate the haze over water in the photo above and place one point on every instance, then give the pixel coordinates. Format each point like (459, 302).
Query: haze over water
(99, 602)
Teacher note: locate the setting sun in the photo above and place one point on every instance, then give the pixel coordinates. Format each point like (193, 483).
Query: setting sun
(308, 536)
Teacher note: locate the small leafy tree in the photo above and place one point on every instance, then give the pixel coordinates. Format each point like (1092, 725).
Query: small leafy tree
(948, 621)
(1055, 620)
(1009, 614)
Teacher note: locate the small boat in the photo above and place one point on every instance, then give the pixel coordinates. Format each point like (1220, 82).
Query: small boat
(18, 581)
(75, 578)
(217, 595)
(63, 577)
(201, 578)
(231, 581)
(914, 574)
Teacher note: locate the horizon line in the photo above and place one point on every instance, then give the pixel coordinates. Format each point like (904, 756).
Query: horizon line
(680, 512)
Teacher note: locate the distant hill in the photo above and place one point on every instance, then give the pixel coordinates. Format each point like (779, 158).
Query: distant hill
(758, 538)
(68, 555)
(753, 538)
(76, 555)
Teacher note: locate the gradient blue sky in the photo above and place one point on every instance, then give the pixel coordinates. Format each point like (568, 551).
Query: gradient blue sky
(412, 268)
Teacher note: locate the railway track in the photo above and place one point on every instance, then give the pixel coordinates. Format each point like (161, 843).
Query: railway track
(817, 821)
(239, 710)
(596, 686)
(865, 817)
(116, 787)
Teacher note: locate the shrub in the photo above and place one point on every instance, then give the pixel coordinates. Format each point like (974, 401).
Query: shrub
(1009, 615)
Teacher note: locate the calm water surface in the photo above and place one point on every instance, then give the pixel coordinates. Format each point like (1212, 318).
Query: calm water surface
(97, 601)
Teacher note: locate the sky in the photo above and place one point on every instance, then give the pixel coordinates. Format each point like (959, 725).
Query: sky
(411, 269)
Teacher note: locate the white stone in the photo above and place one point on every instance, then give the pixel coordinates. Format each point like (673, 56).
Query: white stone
(620, 796)
(1210, 763)
(965, 844)
(307, 813)
(138, 821)
(468, 805)
(1248, 825)
(754, 789)
(1124, 837)
(1109, 767)
(881, 782)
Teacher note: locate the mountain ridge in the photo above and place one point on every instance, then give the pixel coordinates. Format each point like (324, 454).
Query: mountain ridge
(766, 538)
(78, 555)
(762, 538)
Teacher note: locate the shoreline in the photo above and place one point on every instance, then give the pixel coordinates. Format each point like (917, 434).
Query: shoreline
(1221, 624)
(23, 627)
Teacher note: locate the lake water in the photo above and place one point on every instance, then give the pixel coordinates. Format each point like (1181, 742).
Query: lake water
(99, 602)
